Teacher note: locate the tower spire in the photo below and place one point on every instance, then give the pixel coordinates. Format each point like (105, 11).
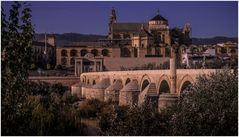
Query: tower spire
(112, 20)
(157, 12)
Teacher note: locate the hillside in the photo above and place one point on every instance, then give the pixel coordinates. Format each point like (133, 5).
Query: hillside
(214, 40)
(68, 38)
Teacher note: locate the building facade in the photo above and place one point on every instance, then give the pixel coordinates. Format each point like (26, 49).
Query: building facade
(149, 39)
(44, 52)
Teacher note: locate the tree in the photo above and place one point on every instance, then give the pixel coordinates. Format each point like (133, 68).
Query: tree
(133, 121)
(208, 108)
(30, 108)
(17, 34)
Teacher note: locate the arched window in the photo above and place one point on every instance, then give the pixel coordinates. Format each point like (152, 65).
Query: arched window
(83, 52)
(95, 52)
(127, 81)
(135, 52)
(72, 61)
(93, 82)
(185, 86)
(63, 52)
(125, 52)
(164, 87)
(105, 52)
(63, 61)
(145, 84)
(73, 53)
(163, 38)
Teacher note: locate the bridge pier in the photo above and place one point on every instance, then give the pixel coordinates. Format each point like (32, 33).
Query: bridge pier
(166, 100)
(173, 73)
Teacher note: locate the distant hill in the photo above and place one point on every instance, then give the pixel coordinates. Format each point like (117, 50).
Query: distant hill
(214, 40)
(68, 38)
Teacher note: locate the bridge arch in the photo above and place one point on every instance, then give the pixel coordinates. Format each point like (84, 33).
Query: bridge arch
(83, 79)
(144, 82)
(127, 81)
(185, 82)
(163, 85)
(93, 82)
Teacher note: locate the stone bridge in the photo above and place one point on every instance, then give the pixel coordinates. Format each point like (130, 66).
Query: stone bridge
(130, 87)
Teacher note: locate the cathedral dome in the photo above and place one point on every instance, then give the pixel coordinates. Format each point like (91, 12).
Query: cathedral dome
(158, 18)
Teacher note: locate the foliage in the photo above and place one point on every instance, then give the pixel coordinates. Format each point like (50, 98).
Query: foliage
(90, 108)
(134, 121)
(58, 67)
(33, 67)
(17, 34)
(48, 66)
(209, 108)
(53, 115)
(178, 37)
(30, 108)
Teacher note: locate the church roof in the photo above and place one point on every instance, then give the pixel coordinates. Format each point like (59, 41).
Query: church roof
(40, 44)
(158, 18)
(128, 27)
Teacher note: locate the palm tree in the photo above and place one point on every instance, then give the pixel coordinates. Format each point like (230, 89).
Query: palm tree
(179, 37)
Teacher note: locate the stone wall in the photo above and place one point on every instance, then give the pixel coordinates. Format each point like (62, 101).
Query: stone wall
(66, 81)
(114, 64)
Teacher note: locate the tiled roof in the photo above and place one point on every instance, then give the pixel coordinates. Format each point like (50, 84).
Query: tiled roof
(158, 18)
(128, 27)
(42, 44)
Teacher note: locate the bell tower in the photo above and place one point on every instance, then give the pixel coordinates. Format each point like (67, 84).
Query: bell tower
(112, 20)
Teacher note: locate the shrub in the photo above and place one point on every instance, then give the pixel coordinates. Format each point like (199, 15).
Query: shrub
(90, 108)
(209, 108)
(134, 121)
(33, 67)
(58, 67)
(48, 66)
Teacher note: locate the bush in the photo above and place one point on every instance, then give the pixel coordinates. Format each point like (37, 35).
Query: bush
(49, 110)
(134, 121)
(33, 67)
(209, 108)
(58, 67)
(90, 108)
(48, 66)
(52, 116)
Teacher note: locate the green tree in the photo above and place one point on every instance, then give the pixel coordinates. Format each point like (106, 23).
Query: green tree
(210, 107)
(133, 121)
(17, 34)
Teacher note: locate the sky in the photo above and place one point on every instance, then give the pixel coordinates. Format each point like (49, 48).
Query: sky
(207, 19)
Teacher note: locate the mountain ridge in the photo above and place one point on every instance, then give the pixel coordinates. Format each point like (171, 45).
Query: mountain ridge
(69, 38)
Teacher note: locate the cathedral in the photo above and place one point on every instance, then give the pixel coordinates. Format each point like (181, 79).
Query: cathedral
(127, 45)
(141, 39)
